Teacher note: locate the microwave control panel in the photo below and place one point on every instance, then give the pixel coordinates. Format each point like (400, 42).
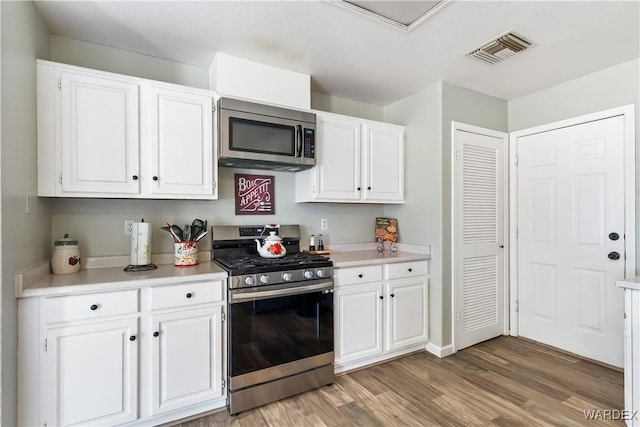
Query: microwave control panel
(309, 144)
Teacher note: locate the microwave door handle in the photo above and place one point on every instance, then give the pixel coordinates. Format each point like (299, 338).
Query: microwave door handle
(298, 140)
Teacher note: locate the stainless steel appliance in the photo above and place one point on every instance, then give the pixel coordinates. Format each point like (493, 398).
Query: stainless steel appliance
(280, 316)
(265, 137)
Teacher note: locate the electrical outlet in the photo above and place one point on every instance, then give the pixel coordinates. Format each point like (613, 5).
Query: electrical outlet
(128, 226)
(323, 224)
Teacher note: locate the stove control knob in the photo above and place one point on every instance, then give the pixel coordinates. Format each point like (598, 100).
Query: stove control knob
(308, 274)
(320, 272)
(264, 279)
(286, 277)
(248, 280)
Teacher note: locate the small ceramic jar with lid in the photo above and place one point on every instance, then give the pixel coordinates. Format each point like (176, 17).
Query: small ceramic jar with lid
(66, 256)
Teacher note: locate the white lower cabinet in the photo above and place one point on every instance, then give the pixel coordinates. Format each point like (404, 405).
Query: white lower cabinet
(187, 357)
(92, 373)
(142, 356)
(359, 322)
(381, 312)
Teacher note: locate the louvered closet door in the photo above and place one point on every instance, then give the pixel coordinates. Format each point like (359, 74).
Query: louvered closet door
(478, 223)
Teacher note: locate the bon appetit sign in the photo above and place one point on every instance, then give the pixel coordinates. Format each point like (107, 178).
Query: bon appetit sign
(255, 194)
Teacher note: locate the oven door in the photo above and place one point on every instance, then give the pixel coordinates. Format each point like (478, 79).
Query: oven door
(276, 331)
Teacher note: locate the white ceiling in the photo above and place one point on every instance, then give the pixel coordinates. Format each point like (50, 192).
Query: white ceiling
(352, 56)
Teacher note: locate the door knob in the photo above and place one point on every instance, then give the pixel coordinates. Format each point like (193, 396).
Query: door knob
(614, 236)
(614, 255)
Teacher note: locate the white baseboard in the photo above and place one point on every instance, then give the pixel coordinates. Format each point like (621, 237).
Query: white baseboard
(441, 352)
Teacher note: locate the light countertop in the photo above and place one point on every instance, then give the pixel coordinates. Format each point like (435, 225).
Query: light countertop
(38, 281)
(633, 283)
(106, 279)
(344, 259)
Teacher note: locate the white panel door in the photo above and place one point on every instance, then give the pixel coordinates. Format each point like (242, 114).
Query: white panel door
(100, 134)
(479, 229)
(338, 158)
(92, 373)
(407, 313)
(179, 128)
(359, 321)
(187, 358)
(383, 164)
(570, 198)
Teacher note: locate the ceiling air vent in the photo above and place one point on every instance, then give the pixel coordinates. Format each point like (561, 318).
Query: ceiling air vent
(500, 48)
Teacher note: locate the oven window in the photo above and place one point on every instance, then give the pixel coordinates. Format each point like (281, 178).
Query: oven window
(261, 137)
(273, 331)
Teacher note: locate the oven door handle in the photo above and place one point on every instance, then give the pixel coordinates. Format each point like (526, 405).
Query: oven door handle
(236, 297)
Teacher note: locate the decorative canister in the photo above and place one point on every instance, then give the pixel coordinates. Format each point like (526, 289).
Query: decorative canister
(66, 256)
(186, 253)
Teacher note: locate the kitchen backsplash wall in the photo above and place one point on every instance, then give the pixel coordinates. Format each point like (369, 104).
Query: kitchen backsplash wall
(98, 224)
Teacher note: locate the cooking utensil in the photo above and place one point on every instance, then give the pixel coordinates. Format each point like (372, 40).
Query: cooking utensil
(201, 235)
(186, 233)
(177, 232)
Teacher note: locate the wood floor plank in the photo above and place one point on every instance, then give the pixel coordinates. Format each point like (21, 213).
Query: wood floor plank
(502, 382)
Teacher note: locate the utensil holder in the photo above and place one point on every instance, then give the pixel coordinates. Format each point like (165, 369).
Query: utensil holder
(186, 254)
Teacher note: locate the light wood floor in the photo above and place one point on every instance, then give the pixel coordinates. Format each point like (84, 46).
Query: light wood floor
(502, 382)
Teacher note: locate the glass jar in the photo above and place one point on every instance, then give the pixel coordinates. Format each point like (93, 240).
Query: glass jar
(66, 256)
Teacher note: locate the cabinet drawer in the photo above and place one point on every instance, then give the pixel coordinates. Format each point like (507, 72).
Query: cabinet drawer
(186, 294)
(87, 306)
(406, 269)
(354, 275)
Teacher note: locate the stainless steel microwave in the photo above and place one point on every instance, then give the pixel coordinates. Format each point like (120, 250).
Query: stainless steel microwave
(262, 136)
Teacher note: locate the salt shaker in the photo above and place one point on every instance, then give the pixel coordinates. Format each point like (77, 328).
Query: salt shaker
(312, 243)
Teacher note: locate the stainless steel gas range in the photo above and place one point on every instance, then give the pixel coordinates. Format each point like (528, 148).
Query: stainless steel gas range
(280, 316)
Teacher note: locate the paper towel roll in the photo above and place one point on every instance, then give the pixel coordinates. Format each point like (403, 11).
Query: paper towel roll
(141, 243)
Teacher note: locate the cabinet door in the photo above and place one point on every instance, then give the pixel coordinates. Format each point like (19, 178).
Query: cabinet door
(178, 131)
(92, 374)
(187, 358)
(406, 312)
(338, 158)
(383, 164)
(99, 134)
(359, 322)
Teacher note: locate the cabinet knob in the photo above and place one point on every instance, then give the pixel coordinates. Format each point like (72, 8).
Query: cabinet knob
(156, 333)
(189, 295)
(93, 307)
(132, 338)
(358, 188)
(410, 270)
(393, 295)
(368, 188)
(135, 177)
(155, 178)
(381, 297)
(360, 276)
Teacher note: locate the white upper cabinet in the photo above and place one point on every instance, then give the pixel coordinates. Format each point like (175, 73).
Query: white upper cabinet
(357, 161)
(107, 135)
(180, 131)
(383, 165)
(99, 124)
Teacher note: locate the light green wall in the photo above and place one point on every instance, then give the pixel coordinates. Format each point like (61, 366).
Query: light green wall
(100, 57)
(473, 108)
(98, 224)
(608, 88)
(335, 104)
(25, 237)
(420, 218)
(427, 116)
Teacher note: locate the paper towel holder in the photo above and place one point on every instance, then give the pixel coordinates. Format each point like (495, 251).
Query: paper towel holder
(136, 237)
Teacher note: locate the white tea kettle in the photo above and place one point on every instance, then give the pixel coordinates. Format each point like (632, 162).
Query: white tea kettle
(272, 246)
